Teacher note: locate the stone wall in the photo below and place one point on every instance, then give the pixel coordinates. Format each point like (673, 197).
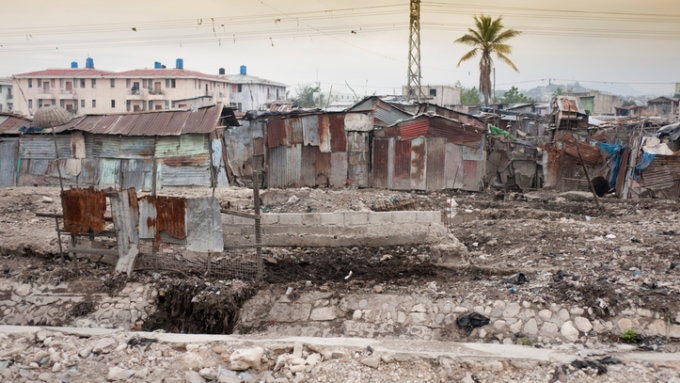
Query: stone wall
(317, 313)
(347, 228)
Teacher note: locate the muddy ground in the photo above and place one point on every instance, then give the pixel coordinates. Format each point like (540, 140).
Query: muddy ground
(569, 250)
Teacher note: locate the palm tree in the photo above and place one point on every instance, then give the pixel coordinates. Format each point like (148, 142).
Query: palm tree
(487, 38)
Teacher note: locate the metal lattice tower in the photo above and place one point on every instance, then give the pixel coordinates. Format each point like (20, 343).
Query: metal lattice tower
(413, 78)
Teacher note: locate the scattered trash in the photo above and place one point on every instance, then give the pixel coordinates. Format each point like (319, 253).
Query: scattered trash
(289, 290)
(610, 236)
(588, 218)
(636, 273)
(594, 364)
(513, 290)
(385, 257)
(348, 275)
(471, 321)
(517, 279)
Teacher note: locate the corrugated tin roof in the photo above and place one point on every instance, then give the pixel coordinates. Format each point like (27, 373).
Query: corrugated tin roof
(161, 123)
(10, 123)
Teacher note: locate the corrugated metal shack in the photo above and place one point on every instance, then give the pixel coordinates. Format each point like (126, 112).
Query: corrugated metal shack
(657, 172)
(11, 126)
(429, 152)
(179, 148)
(303, 148)
(383, 112)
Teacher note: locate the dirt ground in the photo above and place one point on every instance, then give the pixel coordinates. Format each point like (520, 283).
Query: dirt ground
(566, 249)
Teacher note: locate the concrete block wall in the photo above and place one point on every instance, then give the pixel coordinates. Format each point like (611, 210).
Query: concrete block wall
(345, 228)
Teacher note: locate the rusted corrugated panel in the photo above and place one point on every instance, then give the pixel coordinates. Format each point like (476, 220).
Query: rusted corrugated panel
(454, 166)
(414, 128)
(385, 114)
(310, 130)
(294, 133)
(436, 163)
(308, 171)
(419, 163)
(83, 210)
(276, 176)
(401, 179)
(8, 160)
(170, 217)
(454, 131)
(155, 122)
(338, 135)
(623, 171)
(472, 175)
(258, 146)
(379, 169)
(338, 177)
(663, 176)
(10, 124)
(324, 133)
(276, 132)
(42, 146)
(590, 153)
(322, 169)
(184, 145)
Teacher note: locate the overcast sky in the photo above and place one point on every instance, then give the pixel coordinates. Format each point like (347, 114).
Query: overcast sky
(351, 46)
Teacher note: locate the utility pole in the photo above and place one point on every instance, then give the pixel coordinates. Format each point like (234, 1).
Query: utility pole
(413, 77)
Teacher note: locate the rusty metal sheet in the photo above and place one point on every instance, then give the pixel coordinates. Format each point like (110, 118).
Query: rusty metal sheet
(454, 167)
(276, 132)
(401, 178)
(324, 133)
(418, 170)
(43, 146)
(170, 216)
(338, 176)
(436, 163)
(125, 214)
(380, 161)
(623, 171)
(308, 171)
(185, 171)
(10, 124)
(414, 128)
(293, 165)
(454, 131)
(83, 210)
(590, 153)
(322, 169)
(472, 175)
(137, 174)
(276, 174)
(662, 176)
(294, 131)
(337, 131)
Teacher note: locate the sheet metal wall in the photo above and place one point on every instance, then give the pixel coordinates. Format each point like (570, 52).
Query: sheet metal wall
(9, 147)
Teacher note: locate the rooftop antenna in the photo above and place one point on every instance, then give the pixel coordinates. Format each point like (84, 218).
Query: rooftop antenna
(413, 88)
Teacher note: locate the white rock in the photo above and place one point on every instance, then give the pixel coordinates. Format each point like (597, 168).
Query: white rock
(193, 377)
(569, 332)
(104, 345)
(117, 373)
(245, 358)
(530, 327)
(583, 324)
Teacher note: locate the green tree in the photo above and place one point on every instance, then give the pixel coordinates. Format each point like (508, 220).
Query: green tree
(469, 96)
(489, 37)
(309, 96)
(513, 96)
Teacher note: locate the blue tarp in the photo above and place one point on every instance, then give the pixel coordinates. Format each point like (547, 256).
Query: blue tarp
(644, 162)
(614, 151)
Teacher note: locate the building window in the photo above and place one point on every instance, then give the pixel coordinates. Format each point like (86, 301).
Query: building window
(172, 83)
(82, 103)
(82, 83)
(433, 92)
(113, 83)
(94, 83)
(240, 88)
(30, 83)
(113, 104)
(30, 104)
(127, 83)
(94, 104)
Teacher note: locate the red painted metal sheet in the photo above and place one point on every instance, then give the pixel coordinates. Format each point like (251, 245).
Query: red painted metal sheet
(380, 169)
(337, 130)
(415, 128)
(276, 132)
(83, 210)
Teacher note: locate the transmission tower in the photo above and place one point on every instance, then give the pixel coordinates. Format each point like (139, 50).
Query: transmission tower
(413, 78)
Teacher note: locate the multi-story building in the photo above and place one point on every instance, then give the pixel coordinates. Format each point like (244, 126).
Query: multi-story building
(443, 95)
(6, 95)
(93, 91)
